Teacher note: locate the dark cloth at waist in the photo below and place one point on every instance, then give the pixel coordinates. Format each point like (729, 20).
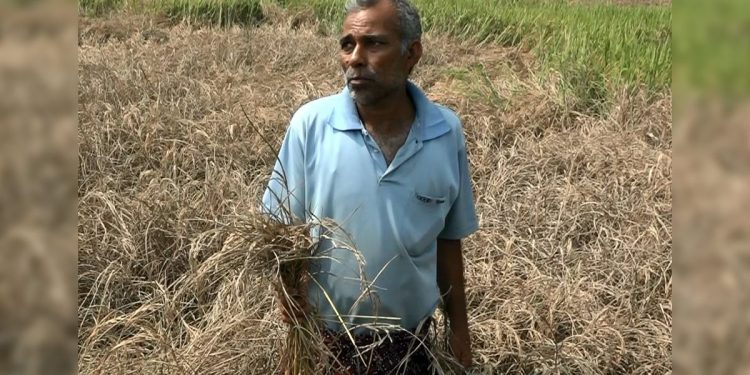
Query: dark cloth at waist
(378, 352)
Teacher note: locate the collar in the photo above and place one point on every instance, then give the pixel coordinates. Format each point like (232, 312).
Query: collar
(432, 123)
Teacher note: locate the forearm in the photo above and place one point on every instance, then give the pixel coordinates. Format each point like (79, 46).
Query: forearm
(450, 278)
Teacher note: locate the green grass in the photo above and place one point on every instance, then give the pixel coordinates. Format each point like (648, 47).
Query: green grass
(216, 12)
(223, 12)
(598, 49)
(713, 50)
(98, 7)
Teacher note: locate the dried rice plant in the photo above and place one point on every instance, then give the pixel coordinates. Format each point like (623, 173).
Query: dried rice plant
(283, 252)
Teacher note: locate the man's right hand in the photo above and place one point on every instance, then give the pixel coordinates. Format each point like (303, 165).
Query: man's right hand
(293, 307)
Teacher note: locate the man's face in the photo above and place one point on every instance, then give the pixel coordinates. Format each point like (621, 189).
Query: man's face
(371, 57)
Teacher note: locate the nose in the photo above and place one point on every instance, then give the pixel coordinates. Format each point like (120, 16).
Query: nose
(357, 57)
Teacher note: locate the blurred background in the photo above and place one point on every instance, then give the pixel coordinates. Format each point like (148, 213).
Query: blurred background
(37, 188)
(711, 187)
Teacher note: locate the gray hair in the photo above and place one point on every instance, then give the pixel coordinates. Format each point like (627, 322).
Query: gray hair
(410, 24)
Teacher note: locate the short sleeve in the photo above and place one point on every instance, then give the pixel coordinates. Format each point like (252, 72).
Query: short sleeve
(462, 217)
(284, 197)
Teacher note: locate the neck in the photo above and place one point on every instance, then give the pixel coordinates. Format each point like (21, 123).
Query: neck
(391, 113)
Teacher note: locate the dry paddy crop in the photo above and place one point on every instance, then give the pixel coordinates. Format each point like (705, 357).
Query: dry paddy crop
(570, 273)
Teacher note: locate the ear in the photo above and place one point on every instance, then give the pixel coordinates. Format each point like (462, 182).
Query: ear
(414, 54)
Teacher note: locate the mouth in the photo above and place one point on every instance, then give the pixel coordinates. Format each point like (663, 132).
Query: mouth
(358, 80)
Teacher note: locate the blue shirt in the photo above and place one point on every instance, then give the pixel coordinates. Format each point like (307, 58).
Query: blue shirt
(391, 214)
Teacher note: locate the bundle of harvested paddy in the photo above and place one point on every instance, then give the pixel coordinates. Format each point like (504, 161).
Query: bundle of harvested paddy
(283, 252)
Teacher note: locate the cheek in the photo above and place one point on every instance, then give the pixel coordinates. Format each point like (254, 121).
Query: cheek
(393, 70)
(392, 64)
(383, 65)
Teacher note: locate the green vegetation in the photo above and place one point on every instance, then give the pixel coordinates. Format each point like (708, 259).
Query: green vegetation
(224, 12)
(598, 49)
(98, 7)
(713, 49)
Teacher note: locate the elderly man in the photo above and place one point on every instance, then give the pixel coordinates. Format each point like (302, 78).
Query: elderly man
(390, 167)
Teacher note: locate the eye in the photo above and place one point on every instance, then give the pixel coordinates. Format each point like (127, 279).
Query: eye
(347, 45)
(377, 42)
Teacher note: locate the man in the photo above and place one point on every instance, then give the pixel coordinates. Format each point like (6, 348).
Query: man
(390, 168)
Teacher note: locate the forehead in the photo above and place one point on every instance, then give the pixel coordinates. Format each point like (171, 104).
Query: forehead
(382, 18)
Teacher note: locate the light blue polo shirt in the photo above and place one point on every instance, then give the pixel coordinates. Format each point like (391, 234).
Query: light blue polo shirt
(392, 215)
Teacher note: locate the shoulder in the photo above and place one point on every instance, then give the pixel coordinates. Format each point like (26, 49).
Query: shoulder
(454, 123)
(450, 117)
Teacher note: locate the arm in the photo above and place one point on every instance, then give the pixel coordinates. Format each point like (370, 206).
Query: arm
(450, 279)
(284, 197)
(460, 222)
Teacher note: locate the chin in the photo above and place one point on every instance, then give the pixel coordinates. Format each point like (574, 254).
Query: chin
(362, 98)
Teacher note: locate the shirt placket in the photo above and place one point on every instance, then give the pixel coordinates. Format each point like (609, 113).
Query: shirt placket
(376, 155)
(411, 146)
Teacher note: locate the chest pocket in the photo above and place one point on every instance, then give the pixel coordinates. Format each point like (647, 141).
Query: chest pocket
(425, 214)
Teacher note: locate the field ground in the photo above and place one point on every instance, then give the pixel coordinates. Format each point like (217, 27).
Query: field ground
(570, 273)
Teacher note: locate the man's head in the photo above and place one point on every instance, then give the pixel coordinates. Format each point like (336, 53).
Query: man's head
(380, 45)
